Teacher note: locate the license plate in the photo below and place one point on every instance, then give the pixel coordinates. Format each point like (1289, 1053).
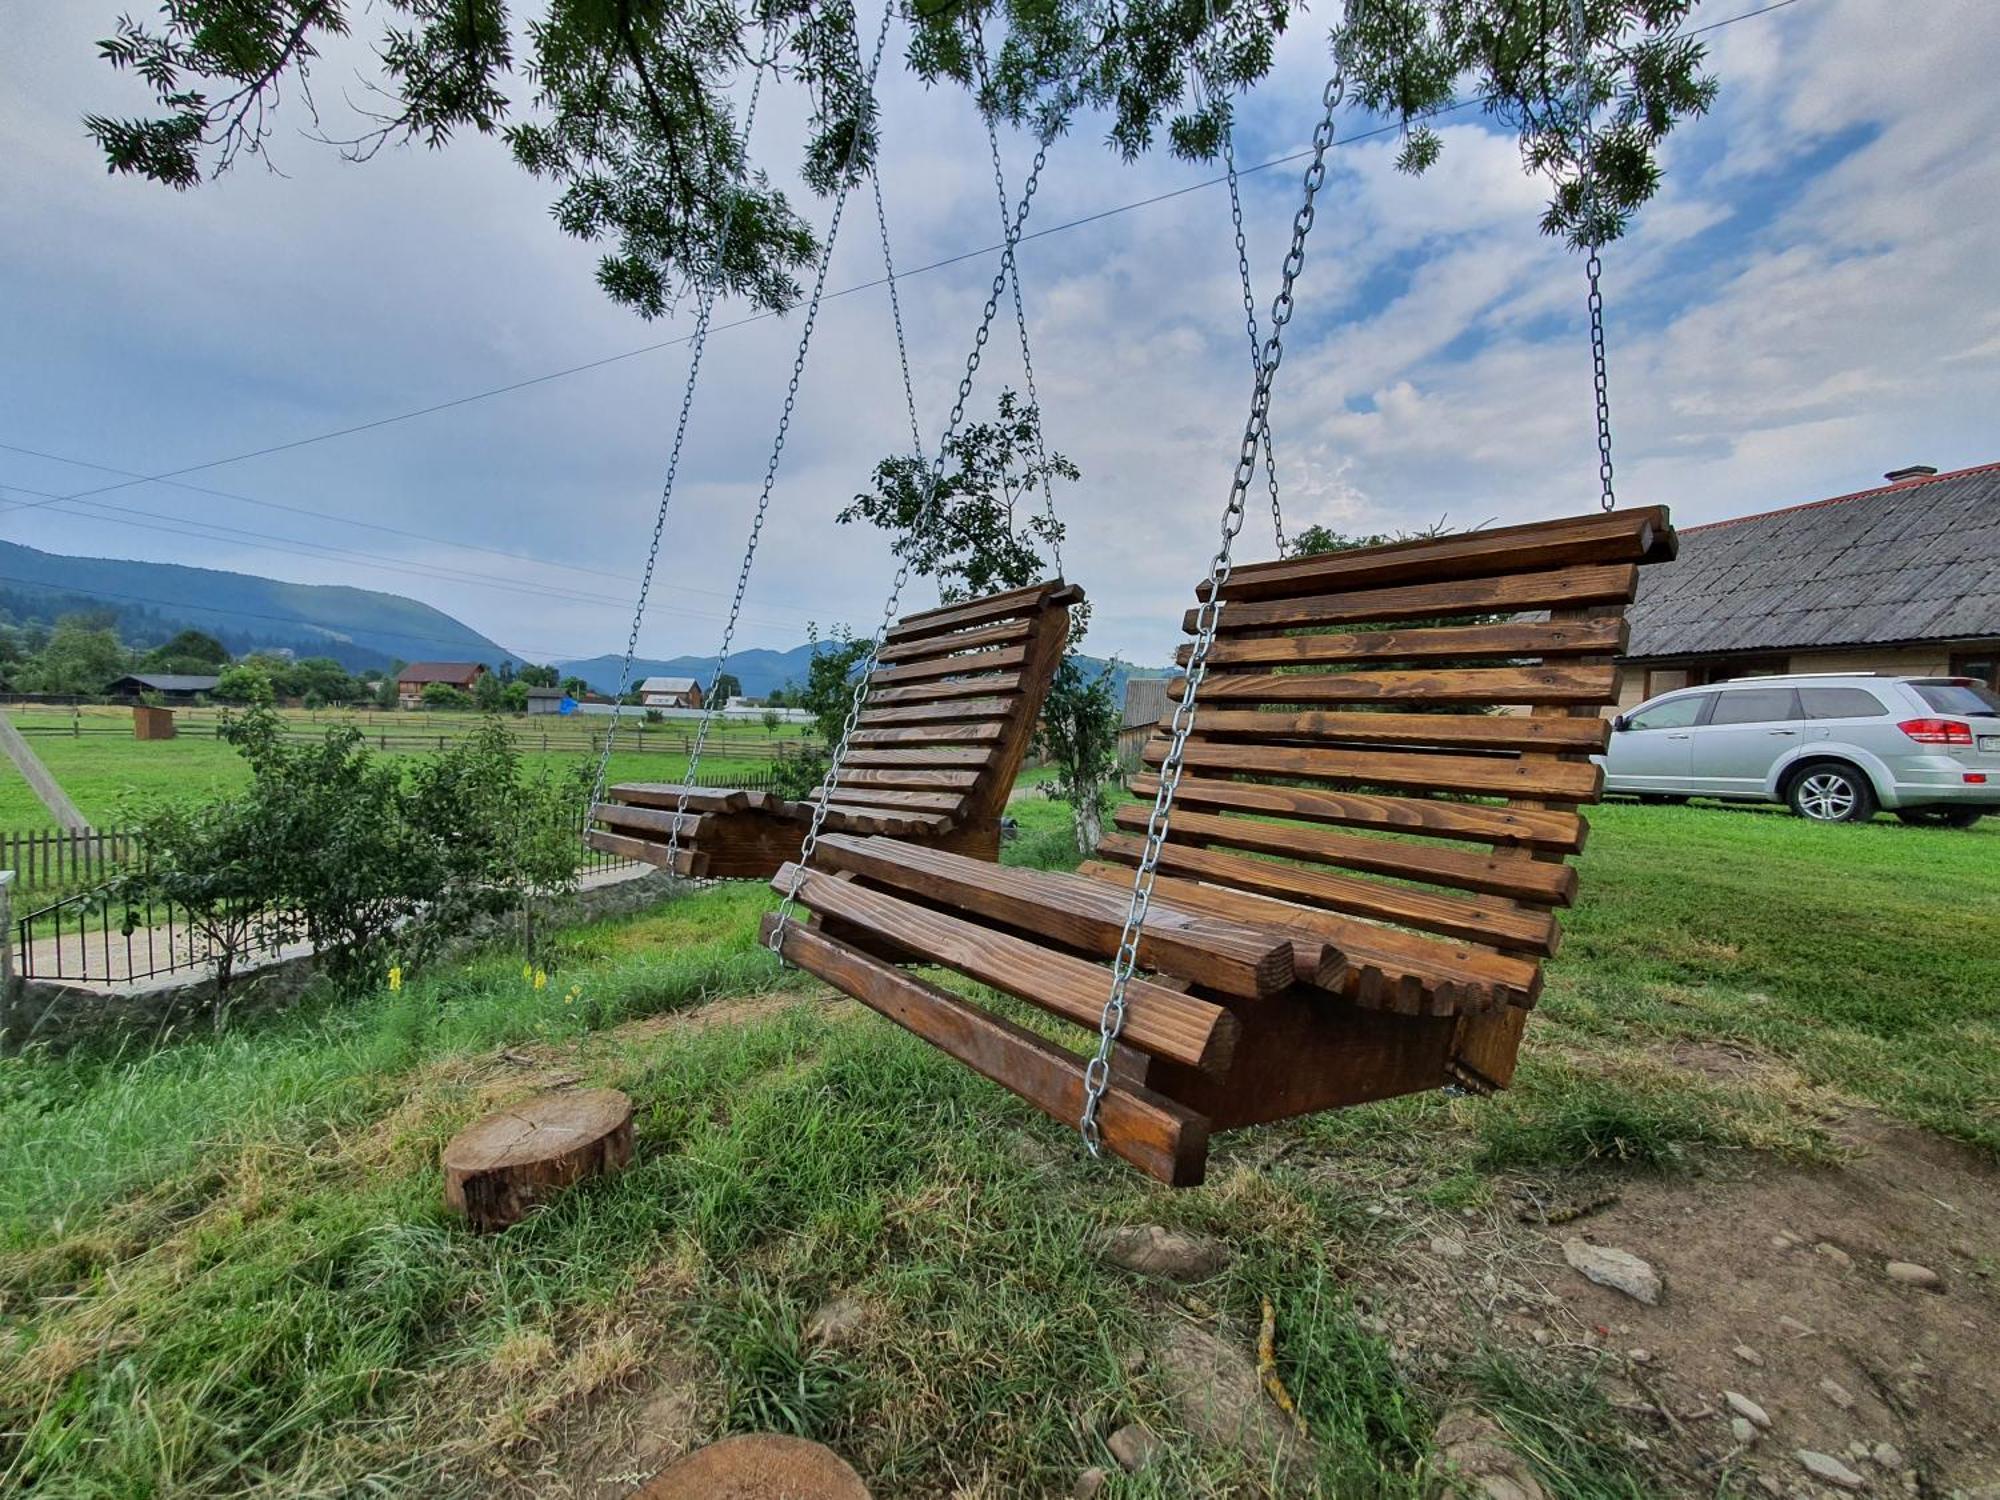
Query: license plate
(1989, 742)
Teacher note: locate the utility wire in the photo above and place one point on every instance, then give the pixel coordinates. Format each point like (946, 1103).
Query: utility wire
(859, 286)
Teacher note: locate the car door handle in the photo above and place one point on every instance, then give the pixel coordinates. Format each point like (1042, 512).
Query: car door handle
(1680, 736)
(1781, 731)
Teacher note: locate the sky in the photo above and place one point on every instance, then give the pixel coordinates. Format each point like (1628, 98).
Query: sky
(1806, 304)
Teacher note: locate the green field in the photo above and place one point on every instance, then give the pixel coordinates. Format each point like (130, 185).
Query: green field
(226, 1269)
(106, 772)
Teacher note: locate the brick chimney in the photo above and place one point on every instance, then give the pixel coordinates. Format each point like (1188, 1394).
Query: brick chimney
(1914, 471)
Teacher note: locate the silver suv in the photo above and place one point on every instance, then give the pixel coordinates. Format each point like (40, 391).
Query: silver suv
(1835, 746)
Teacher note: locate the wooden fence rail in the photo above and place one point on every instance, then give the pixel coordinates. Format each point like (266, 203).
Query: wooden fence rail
(42, 858)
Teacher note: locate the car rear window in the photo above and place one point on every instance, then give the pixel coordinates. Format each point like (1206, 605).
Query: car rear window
(1754, 706)
(1839, 703)
(1968, 698)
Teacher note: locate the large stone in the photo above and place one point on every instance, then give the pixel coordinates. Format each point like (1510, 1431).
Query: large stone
(1134, 1446)
(1744, 1407)
(1620, 1270)
(1825, 1466)
(1909, 1273)
(1151, 1250)
(1216, 1392)
(1482, 1462)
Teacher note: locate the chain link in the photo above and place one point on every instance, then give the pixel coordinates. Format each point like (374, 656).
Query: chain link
(896, 310)
(866, 667)
(1250, 324)
(862, 125)
(1020, 312)
(1097, 1072)
(1593, 267)
(710, 290)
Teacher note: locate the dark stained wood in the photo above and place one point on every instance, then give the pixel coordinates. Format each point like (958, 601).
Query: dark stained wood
(1524, 638)
(937, 713)
(956, 687)
(668, 795)
(1472, 821)
(1470, 976)
(1003, 633)
(1475, 919)
(1486, 1047)
(1614, 583)
(1619, 536)
(1035, 597)
(944, 802)
(1364, 726)
(912, 779)
(656, 821)
(976, 732)
(1073, 913)
(1163, 1139)
(1545, 684)
(953, 666)
(1496, 775)
(1518, 879)
(501, 1168)
(689, 862)
(940, 756)
(1157, 1019)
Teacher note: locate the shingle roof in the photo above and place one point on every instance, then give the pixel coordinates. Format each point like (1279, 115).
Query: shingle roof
(667, 685)
(171, 682)
(1914, 561)
(454, 672)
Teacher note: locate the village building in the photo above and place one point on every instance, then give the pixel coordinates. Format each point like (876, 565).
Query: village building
(418, 675)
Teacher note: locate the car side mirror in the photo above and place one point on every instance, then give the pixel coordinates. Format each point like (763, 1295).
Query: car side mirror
(1620, 723)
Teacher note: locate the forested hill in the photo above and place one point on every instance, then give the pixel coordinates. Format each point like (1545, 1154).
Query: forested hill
(359, 628)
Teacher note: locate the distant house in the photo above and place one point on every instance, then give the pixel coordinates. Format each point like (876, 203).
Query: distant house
(418, 675)
(545, 700)
(175, 687)
(670, 692)
(1903, 578)
(1146, 703)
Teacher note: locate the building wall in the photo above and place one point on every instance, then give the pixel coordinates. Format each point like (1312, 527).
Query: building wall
(1650, 678)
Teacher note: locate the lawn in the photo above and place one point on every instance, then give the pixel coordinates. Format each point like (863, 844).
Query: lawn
(226, 1270)
(105, 774)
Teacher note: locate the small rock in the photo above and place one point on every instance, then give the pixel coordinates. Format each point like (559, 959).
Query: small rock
(1783, 1241)
(1743, 1406)
(1769, 1485)
(1639, 1356)
(1837, 1393)
(1748, 1355)
(1620, 1270)
(837, 1322)
(1151, 1250)
(1090, 1484)
(1742, 1431)
(1134, 1361)
(1825, 1466)
(1134, 1446)
(1447, 1247)
(1543, 1337)
(1889, 1456)
(1797, 1329)
(1859, 1452)
(1487, 1466)
(1834, 1253)
(1909, 1273)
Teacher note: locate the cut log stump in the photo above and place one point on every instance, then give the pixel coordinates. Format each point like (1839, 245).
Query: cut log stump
(500, 1169)
(757, 1466)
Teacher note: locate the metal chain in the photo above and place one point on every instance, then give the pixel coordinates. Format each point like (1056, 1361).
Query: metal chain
(866, 666)
(896, 309)
(1097, 1072)
(1593, 267)
(778, 443)
(1020, 313)
(710, 290)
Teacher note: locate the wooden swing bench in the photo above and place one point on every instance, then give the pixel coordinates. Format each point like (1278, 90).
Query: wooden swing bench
(1363, 864)
(951, 709)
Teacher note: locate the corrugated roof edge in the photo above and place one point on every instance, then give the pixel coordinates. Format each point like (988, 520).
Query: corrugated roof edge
(1880, 489)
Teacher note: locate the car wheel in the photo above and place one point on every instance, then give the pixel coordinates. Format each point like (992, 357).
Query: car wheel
(1662, 799)
(1832, 793)
(1942, 817)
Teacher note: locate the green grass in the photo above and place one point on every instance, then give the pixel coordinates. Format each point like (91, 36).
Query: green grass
(225, 1269)
(104, 774)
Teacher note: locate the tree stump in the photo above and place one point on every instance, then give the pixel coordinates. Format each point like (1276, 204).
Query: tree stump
(757, 1466)
(497, 1171)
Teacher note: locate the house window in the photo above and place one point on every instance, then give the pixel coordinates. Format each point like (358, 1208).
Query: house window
(1747, 666)
(1985, 665)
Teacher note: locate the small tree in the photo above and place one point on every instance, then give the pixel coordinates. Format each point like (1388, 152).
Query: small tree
(489, 693)
(444, 695)
(1078, 735)
(727, 685)
(772, 719)
(244, 683)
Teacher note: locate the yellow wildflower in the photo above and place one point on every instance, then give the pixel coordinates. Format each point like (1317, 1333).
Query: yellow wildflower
(541, 979)
(395, 976)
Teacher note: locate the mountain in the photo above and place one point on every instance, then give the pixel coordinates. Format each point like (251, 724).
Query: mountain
(761, 671)
(359, 628)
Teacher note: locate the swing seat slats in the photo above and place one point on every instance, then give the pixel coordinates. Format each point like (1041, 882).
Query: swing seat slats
(936, 766)
(1364, 866)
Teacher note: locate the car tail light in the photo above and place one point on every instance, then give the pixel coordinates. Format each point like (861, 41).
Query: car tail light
(1975, 778)
(1937, 731)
